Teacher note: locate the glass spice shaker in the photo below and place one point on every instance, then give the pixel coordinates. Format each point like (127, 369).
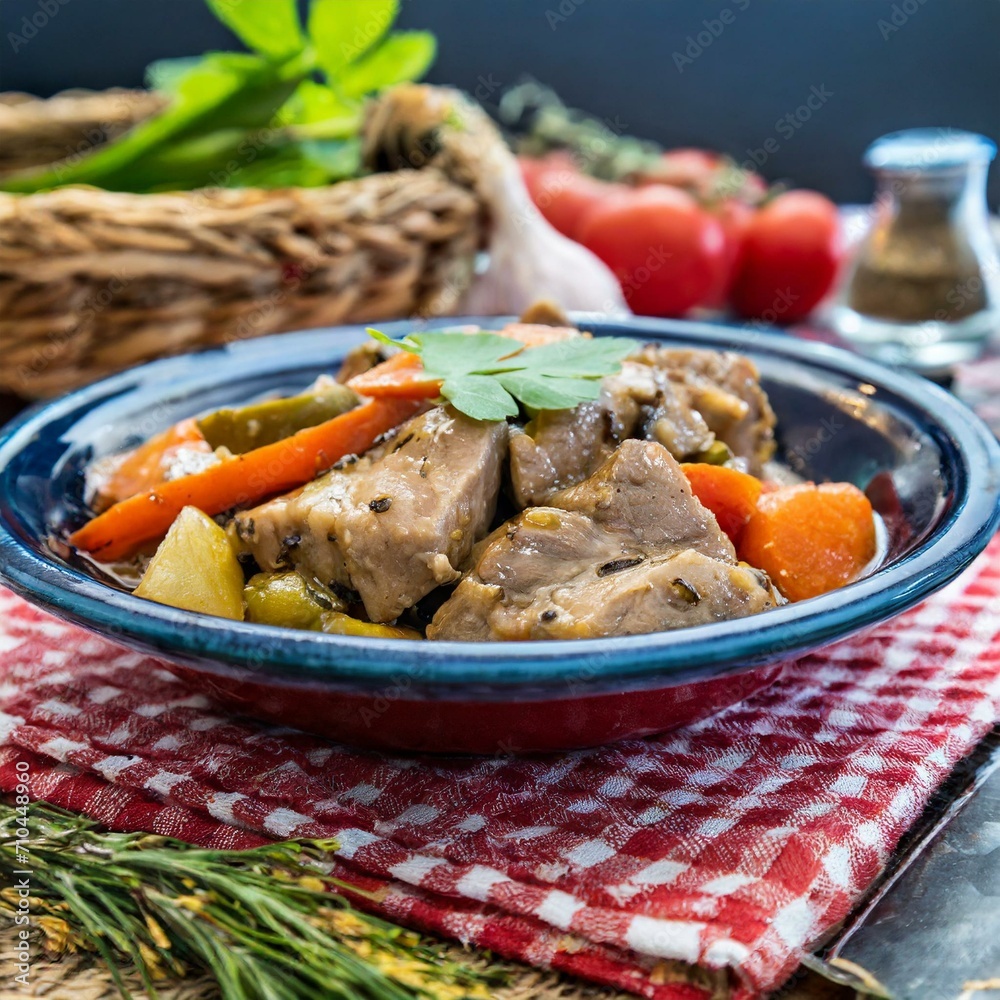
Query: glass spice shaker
(924, 290)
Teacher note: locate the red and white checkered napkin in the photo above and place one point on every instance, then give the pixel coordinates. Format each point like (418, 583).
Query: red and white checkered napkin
(738, 842)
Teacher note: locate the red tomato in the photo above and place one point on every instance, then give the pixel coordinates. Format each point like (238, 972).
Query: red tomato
(668, 254)
(564, 195)
(693, 169)
(532, 168)
(707, 175)
(734, 216)
(791, 254)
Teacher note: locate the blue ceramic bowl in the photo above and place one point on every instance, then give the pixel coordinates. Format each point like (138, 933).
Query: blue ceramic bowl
(930, 467)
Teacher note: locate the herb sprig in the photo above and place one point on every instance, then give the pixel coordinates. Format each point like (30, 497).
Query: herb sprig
(486, 375)
(288, 112)
(262, 922)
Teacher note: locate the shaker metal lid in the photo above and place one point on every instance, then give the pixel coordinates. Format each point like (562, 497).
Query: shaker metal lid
(918, 149)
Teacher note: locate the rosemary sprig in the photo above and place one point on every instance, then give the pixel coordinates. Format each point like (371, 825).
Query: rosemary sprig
(261, 922)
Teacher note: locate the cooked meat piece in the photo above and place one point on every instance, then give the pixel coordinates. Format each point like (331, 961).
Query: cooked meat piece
(545, 312)
(724, 388)
(558, 448)
(667, 414)
(629, 550)
(394, 524)
(562, 447)
(642, 495)
(360, 359)
(684, 399)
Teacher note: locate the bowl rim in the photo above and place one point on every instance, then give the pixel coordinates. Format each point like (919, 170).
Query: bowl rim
(674, 657)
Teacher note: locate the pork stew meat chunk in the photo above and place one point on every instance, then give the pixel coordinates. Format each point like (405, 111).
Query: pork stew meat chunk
(629, 550)
(684, 399)
(394, 524)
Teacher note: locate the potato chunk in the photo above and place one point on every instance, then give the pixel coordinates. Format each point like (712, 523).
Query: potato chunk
(195, 568)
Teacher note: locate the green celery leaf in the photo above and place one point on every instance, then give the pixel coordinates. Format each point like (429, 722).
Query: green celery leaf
(256, 90)
(403, 56)
(446, 354)
(281, 164)
(544, 392)
(166, 74)
(270, 27)
(212, 160)
(344, 30)
(407, 344)
(484, 380)
(581, 356)
(480, 397)
(314, 102)
(224, 91)
(338, 158)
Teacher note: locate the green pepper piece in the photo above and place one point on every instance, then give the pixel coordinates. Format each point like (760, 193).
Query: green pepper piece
(286, 599)
(717, 453)
(337, 623)
(264, 423)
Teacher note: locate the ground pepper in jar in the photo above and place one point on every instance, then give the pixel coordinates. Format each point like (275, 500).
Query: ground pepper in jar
(923, 286)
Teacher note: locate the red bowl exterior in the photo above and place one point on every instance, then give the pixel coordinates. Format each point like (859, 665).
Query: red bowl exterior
(937, 488)
(392, 719)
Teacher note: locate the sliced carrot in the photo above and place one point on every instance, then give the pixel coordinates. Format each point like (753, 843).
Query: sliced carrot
(810, 539)
(537, 334)
(146, 466)
(729, 494)
(239, 481)
(400, 377)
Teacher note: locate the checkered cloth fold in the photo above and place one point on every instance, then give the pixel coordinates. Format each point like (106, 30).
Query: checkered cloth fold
(735, 844)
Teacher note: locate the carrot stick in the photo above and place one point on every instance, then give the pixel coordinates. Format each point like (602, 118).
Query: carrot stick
(241, 480)
(399, 377)
(146, 466)
(402, 377)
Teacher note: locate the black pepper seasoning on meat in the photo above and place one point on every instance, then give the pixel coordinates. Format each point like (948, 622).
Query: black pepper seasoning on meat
(686, 591)
(617, 565)
(380, 505)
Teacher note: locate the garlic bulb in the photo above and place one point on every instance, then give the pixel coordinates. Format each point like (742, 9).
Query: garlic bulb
(529, 260)
(416, 126)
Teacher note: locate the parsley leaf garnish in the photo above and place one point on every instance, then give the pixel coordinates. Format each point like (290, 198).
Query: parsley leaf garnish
(486, 375)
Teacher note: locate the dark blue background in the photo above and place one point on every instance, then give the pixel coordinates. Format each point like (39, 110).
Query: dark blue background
(941, 66)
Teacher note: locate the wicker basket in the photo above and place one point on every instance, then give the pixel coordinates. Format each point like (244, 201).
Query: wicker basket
(92, 282)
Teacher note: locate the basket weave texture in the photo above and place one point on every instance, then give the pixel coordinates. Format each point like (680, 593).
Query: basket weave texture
(93, 282)
(34, 132)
